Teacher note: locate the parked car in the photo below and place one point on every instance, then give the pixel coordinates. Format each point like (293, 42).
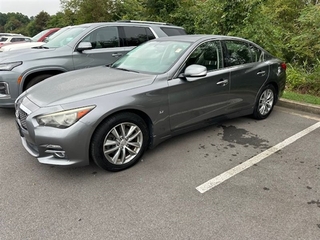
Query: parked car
(26, 45)
(162, 88)
(43, 35)
(81, 46)
(8, 39)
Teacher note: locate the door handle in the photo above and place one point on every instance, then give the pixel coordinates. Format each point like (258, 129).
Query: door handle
(116, 55)
(223, 82)
(261, 73)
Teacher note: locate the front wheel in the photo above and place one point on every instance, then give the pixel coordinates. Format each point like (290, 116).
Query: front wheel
(36, 80)
(265, 102)
(119, 142)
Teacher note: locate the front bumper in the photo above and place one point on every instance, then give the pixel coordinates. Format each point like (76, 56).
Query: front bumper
(54, 146)
(9, 88)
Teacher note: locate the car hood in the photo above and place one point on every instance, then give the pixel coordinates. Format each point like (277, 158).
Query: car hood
(84, 84)
(24, 54)
(19, 46)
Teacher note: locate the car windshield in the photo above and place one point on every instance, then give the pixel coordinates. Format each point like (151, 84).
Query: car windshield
(64, 38)
(153, 57)
(39, 35)
(56, 34)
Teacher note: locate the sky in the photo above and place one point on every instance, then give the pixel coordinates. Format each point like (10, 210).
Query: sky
(30, 7)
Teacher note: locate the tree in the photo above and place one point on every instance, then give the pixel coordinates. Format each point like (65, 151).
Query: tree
(306, 44)
(91, 10)
(41, 21)
(57, 20)
(3, 21)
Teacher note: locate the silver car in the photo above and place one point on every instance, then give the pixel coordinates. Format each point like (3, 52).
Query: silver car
(162, 88)
(82, 46)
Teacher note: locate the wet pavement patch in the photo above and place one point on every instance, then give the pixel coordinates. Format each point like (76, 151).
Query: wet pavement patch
(243, 137)
(315, 202)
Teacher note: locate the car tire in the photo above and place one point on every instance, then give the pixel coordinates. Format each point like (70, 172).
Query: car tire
(265, 102)
(119, 142)
(37, 79)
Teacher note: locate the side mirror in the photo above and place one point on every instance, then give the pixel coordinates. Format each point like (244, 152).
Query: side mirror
(84, 46)
(195, 71)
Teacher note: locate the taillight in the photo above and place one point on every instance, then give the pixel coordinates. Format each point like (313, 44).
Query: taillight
(283, 66)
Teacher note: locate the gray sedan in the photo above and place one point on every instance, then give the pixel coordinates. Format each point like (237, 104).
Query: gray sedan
(165, 87)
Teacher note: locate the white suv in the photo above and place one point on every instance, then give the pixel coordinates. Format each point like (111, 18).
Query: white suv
(13, 39)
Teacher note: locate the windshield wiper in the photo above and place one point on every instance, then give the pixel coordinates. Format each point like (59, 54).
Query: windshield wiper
(40, 47)
(127, 70)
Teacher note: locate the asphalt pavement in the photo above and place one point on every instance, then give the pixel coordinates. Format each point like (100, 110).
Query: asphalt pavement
(272, 188)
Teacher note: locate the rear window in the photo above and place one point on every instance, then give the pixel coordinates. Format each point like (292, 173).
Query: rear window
(19, 40)
(173, 31)
(3, 39)
(134, 36)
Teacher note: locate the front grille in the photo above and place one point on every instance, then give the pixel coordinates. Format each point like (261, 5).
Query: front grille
(23, 117)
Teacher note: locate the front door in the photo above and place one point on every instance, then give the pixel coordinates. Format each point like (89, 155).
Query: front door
(200, 98)
(105, 48)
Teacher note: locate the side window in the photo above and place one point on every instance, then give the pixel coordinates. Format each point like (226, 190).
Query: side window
(134, 36)
(207, 54)
(105, 37)
(17, 39)
(237, 53)
(173, 31)
(150, 34)
(257, 54)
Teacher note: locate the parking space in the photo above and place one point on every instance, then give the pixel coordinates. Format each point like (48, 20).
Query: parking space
(275, 198)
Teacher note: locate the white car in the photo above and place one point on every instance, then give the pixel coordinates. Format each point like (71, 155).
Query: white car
(10, 47)
(13, 39)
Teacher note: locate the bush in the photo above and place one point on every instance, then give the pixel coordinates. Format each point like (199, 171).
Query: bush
(303, 80)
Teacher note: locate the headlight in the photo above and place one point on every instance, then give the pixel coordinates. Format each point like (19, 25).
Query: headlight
(9, 66)
(63, 119)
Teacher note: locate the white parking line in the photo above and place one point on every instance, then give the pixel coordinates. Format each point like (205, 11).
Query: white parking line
(254, 160)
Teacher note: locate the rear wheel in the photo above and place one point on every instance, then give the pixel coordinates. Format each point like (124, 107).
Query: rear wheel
(37, 79)
(119, 142)
(265, 102)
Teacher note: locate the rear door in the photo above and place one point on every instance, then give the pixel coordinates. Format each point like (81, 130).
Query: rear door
(106, 48)
(248, 72)
(133, 36)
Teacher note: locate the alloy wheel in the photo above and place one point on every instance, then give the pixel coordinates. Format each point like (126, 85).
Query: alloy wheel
(123, 143)
(266, 102)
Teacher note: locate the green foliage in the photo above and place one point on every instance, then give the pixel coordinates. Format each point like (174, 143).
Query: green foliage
(40, 22)
(132, 9)
(90, 10)
(57, 20)
(305, 43)
(306, 98)
(304, 80)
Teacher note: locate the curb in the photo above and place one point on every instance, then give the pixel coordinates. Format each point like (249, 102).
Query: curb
(310, 108)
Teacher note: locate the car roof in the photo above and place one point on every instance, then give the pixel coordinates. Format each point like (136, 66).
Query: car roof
(196, 38)
(128, 23)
